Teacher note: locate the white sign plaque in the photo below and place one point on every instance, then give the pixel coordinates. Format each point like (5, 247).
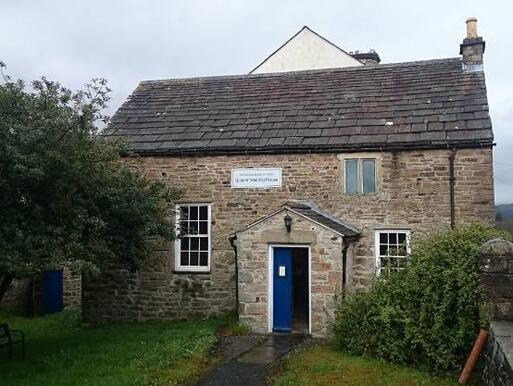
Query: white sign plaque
(256, 178)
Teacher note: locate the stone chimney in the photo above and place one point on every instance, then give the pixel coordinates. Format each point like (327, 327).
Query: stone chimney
(472, 48)
(370, 57)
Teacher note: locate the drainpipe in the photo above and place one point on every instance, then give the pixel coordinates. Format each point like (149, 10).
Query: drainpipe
(452, 180)
(232, 243)
(345, 246)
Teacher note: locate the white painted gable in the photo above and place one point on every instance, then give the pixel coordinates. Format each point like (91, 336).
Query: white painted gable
(306, 50)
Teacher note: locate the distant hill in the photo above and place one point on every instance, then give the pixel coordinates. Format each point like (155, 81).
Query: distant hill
(504, 211)
(505, 225)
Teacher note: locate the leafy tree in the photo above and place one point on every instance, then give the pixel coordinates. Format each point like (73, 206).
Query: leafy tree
(428, 314)
(65, 196)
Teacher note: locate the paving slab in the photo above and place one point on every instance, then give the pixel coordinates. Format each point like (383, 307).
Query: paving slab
(232, 347)
(248, 359)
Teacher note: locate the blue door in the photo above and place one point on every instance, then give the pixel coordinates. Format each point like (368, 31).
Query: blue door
(52, 292)
(282, 289)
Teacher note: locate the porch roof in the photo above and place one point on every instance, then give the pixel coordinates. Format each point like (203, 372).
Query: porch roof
(314, 214)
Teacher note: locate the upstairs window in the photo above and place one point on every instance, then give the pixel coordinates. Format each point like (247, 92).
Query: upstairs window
(360, 175)
(392, 250)
(192, 247)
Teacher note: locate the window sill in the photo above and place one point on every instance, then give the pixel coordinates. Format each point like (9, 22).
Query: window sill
(361, 194)
(189, 272)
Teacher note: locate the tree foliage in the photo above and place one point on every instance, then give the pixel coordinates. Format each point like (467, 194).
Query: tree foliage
(426, 315)
(65, 196)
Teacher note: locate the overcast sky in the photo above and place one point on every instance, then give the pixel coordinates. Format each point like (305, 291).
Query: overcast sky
(128, 41)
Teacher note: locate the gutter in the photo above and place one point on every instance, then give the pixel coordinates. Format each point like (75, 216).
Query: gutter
(242, 150)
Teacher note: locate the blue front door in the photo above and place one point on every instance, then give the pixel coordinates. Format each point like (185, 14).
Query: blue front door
(282, 289)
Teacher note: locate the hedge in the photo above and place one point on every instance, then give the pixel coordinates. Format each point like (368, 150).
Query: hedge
(426, 315)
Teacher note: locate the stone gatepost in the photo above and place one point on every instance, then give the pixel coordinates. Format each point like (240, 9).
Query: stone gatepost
(496, 278)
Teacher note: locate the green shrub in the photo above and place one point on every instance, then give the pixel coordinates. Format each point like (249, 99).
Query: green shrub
(426, 315)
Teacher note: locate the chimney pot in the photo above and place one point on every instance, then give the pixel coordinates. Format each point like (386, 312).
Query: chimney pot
(472, 48)
(471, 28)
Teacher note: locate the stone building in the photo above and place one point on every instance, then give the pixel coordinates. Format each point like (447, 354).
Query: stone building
(300, 185)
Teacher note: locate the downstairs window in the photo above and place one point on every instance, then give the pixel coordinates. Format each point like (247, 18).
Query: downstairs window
(192, 248)
(392, 248)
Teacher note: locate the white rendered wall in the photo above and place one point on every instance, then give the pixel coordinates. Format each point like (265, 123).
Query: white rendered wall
(306, 51)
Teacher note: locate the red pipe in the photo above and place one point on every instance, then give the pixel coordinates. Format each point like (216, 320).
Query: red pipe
(472, 359)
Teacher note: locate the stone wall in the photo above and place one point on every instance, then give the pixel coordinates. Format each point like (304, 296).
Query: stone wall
(413, 193)
(71, 289)
(326, 269)
(498, 356)
(157, 293)
(495, 263)
(17, 299)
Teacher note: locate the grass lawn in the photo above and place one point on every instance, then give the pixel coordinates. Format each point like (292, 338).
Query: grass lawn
(60, 352)
(324, 365)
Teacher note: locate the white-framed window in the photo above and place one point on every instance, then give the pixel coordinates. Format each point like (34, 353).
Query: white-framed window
(359, 175)
(192, 247)
(392, 249)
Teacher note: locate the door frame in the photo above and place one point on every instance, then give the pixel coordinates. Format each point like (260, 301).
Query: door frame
(270, 283)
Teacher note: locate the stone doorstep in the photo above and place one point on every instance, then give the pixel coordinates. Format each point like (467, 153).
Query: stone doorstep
(272, 349)
(232, 347)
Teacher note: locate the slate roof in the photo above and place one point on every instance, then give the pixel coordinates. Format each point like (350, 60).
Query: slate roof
(425, 104)
(323, 218)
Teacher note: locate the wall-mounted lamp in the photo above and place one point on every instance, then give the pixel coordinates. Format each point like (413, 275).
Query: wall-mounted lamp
(288, 222)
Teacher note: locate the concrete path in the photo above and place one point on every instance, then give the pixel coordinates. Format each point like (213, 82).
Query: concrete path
(247, 359)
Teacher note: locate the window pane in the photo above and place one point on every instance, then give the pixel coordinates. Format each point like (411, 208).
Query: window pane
(351, 176)
(193, 213)
(183, 227)
(203, 227)
(204, 243)
(194, 244)
(184, 258)
(184, 243)
(193, 228)
(204, 258)
(369, 173)
(383, 238)
(203, 213)
(383, 250)
(393, 238)
(194, 258)
(184, 212)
